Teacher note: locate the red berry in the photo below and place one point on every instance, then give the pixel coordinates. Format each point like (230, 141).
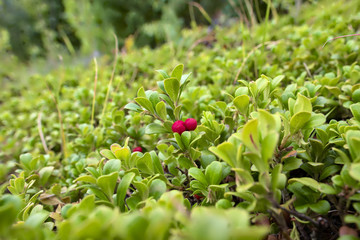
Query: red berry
(179, 127)
(138, 149)
(190, 124)
(198, 197)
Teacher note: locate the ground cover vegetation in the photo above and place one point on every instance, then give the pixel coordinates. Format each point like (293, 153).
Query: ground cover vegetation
(237, 133)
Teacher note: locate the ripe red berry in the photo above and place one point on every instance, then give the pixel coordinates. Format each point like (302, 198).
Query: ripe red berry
(190, 124)
(138, 149)
(198, 197)
(179, 127)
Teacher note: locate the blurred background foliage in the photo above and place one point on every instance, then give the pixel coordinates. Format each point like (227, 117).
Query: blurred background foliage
(41, 28)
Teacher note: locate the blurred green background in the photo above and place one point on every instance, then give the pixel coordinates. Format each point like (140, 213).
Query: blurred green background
(41, 28)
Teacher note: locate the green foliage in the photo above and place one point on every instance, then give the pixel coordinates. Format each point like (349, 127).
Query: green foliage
(275, 152)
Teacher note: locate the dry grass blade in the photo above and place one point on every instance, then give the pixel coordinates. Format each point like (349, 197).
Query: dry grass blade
(94, 96)
(41, 134)
(112, 75)
(249, 54)
(344, 36)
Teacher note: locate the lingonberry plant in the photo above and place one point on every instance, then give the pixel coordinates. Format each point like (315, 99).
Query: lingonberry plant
(261, 141)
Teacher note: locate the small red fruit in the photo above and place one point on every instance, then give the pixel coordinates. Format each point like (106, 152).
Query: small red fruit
(190, 124)
(138, 149)
(179, 127)
(198, 197)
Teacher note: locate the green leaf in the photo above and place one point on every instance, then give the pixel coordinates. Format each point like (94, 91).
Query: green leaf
(355, 171)
(353, 141)
(156, 163)
(292, 164)
(145, 164)
(36, 219)
(142, 189)
(163, 74)
(315, 120)
(242, 103)
(154, 98)
(45, 173)
(321, 207)
(177, 72)
(122, 189)
(309, 182)
(161, 110)
(186, 138)
(184, 78)
(18, 184)
(112, 165)
(107, 154)
(177, 111)
(327, 189)
(355, 110)
(107, 183)
(122, 153)
(227, 152)
(269, 144)
(25, 159)
(275, 176)
(213, 173)
(198, 175)
(86, 178)
(87, 204)
(223, 204)
(145, 103)
(157, 188)
(298, 121)
(161, 86)
(141, 93)
(155, 128)
(133, 106)
(328, 171)
(250, 135)
(276, 81)
(302, 104)
(179, 141)
(268, 122)
(172, 87)
(356, 95)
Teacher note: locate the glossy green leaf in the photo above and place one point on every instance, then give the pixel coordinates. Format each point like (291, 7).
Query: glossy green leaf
(107, 183)
(145, 103)
(155, 128)
(250, 135)
(111, 166)
(242, 103)
(86, 178)
(172, 87)
(122, 190)
(161, 110)
(107, 154)
(302, 104)
(177, 72)
(213, 173)
(198, 175)
(298, 121)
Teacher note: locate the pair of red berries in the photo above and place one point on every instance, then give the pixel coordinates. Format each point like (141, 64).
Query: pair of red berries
(179, 126)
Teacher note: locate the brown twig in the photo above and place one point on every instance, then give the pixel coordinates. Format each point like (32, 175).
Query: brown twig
(344, 36)
(300, 215)
(308, 70)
